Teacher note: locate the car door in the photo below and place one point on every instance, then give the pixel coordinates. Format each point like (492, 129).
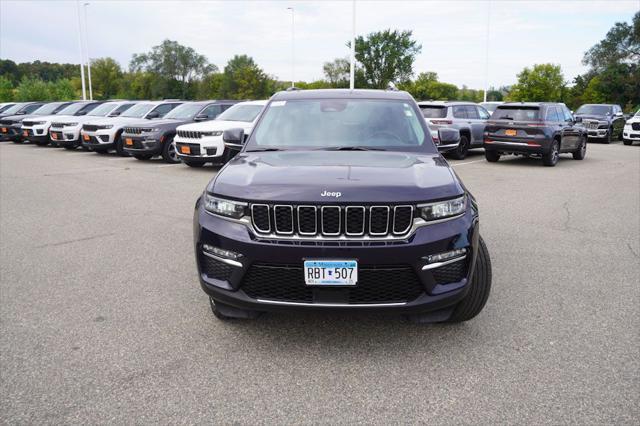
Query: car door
(484, 116)
(476, 126)
(618, 120)
(570, 136)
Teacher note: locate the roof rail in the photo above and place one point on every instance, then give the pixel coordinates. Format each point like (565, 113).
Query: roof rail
(293, 88)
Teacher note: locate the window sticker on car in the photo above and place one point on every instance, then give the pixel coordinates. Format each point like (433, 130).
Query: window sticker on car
(278, 103)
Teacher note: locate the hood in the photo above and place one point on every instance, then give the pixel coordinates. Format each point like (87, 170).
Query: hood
(634, 119)
(361, 176)
(593, 117)
(204, 126)
(14, 118)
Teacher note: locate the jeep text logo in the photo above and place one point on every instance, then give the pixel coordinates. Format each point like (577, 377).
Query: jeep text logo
(331, 194)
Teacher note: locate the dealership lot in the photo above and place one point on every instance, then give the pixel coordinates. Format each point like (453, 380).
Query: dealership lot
(102, 318)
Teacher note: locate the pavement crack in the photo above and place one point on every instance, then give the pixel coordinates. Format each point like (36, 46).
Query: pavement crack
(75, 240)
(633, 251)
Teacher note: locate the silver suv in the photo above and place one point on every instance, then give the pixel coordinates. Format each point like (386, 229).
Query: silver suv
(467, 117)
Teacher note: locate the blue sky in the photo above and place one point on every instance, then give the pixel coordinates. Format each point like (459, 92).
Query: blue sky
(452, 33)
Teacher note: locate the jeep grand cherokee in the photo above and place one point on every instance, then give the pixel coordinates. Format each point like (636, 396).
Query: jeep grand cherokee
(339, 200)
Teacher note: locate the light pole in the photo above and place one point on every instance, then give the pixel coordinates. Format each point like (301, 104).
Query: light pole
(86, 44)
(486, 56)
(84, 92)
(352, 69)
(293, 47)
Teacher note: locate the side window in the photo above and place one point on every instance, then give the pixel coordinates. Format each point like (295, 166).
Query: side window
(212, 111)
(567, 114)
(87, 108)
(484, 114)
(163, 109)
(472, 112)
(459, 112)
(551, 115)
(122, 108)
(30, 108)
(226, 106)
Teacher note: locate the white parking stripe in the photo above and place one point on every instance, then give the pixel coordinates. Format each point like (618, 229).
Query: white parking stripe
(468, 162)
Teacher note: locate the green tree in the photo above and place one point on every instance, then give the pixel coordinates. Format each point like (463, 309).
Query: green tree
(6, 89)
(543, 82)
(106, 77)
(210, 87)
(620, 45)
(32, 89)
(426, 86)
(386, 56)
(172, 61)
(62, 90)
(337, 72)
(243, 79)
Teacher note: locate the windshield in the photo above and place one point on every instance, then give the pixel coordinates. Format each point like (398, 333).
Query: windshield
(516, 113)
(138, 111)
(3, 108)
(241, 112)
(12, 110)
(48, 109)
(103, 110)
(594, 109)
(72, 109)
(184, 112)
(341, 124)
(489, 106)
(433, 111)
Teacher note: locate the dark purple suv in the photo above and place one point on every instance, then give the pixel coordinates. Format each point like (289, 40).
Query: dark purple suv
(339, 200)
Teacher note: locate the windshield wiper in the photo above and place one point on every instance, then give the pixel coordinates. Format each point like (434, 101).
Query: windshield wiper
(264, 150)
(351, 148)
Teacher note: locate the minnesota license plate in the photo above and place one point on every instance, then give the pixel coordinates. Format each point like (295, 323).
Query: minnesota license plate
(25, 133)
(129, 141)
(510, 132)
(4, 130)
(185, 150)
(330, 272)
(54, 136)
(86, 137)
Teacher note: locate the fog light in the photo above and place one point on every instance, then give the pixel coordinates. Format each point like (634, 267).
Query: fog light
(226, 254)
(447, 255)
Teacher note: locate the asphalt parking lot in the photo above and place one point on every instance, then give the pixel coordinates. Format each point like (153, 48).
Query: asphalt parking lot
(103, 321)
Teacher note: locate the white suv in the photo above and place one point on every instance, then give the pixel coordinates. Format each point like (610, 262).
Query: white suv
(631, 131)
(103, 135)
(66, 130)
(200, 143)
(37, 130)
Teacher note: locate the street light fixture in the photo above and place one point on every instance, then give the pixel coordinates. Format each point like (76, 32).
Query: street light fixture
(293, 37)
(84, 92)
(86, 43)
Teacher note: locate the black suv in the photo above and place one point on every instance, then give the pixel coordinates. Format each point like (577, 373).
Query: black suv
(602, 121)
(11, 120)
(534, 130)
(147, 139)
(339, 200)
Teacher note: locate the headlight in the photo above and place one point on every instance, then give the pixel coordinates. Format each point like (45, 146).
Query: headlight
(37, 123)
(443, 209)
(216, 133)
(222, 207)
(107, 126)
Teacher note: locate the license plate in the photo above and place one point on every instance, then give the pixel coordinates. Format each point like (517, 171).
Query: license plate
(86, 137)
(25, 133)
(4, 130)
(185, 150)
(54, 136)
(510, 132)
(129, 141)
(331, 272)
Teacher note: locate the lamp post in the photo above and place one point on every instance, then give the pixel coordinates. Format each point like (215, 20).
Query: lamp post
(84, 92)
(293, 47)
(352, 69)
(86, 43)
(486, 56)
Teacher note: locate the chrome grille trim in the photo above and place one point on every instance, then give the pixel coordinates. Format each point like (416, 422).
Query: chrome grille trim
(393, 224)
(275, 219)
(189, 134)
(331, 234)
(315, 216)
(346, 222)
(386, 231)
(256, 227)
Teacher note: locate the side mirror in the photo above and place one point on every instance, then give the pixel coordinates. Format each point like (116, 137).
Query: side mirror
(82, 113)
(153, 114)
(449, 139)
(234, 138)
(201, 117)
(618, 114)
(115, 114)
(577, 119)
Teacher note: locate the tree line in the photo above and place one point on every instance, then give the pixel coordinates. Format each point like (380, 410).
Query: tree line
(171, 70)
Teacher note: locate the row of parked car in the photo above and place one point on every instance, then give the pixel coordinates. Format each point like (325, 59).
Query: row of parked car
(191, 132)
(175, 130)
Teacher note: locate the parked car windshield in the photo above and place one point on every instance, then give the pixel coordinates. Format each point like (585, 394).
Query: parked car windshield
(184, 112)
(103, 110)
(241, 112)
(433, 111)
(48, 109)
(138, 111)
(72, 109)
(341, 124)
(516, 113)
(594, 110)
(12, 110)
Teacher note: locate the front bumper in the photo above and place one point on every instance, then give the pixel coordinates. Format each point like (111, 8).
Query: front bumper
(380, 262)
(629, 134)
(100, 139)
(143, 144)
(65, 136)
(211, 147)
(10, 133)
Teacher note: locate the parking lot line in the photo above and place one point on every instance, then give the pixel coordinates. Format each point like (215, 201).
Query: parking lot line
(468, 162)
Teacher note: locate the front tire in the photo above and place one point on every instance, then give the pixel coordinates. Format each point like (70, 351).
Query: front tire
(142, 157)
(169, 153)
(480, 287)
(627, 141)
(460, 153)
(193, 163)
(119, 145)
(581, 152)
(607, 140)
(550, 158)
(491, 156)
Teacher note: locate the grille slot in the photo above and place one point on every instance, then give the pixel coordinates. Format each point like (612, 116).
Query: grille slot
(331, 220)
(215, 269)
(307, 220)
(283, 216)
(285, 283)
(379, 220)
(189, 134)
(635, 126)
(354, 220)
(402, 218)
(90, 127)
(260, 217)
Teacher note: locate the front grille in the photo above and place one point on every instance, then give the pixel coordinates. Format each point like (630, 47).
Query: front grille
(56, 125)
(451, 273)
(215, 269)
(285, 283)
(189, 134)
(90, 127)
(136, 130)
(592, 125)
(29, 123)
(6, 122)
(635, 126)
(332, 221)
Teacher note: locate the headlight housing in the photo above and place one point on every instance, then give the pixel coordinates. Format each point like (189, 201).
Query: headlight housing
(228, 208)
(443, 209)
(70, 124)
(37, 123)
(106, 126)
(214, 133)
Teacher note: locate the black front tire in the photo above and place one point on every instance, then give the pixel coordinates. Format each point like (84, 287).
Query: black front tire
(193, 163)
(492, 156)
(169, 153)
(460, 153)
(480, 287)
(627, 141)
(550, 158)
(119, 145)
(70, 147)
(581, 152)
(609, 137)
(142, 157)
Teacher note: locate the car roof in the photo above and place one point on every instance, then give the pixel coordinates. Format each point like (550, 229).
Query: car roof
(341, 94)
(445, 103)
(530, 104)
(262, 102)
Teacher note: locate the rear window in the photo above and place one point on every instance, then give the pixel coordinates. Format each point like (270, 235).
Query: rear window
(433, 111)
(516, 113)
